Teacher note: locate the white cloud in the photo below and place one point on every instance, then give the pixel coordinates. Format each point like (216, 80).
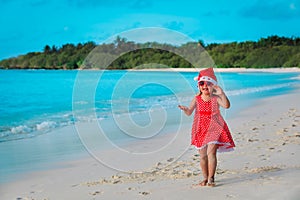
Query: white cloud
(156, 34)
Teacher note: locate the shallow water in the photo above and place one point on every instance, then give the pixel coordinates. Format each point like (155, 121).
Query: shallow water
(35, 102)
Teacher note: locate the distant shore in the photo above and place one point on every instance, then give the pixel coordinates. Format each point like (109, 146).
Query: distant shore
(273, 70)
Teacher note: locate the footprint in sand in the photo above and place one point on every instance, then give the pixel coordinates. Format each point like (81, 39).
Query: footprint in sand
(230, 196)
(96, 193)
(264, 169)
(131, 188)
(264, 157)
(253, 140)
(144, 193)
(297, 118)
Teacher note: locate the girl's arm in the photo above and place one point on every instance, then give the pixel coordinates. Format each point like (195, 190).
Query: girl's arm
(188, 110)
(222, 98)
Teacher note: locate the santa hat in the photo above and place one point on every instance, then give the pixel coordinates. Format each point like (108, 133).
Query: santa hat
(207, 75)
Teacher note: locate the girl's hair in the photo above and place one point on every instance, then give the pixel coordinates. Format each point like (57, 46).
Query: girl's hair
(199, 92)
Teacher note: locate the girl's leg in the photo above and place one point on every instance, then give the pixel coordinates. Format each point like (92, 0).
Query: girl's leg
(212, 162)
(204, 165)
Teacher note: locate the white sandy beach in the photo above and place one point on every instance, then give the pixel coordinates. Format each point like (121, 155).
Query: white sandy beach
(264, 165)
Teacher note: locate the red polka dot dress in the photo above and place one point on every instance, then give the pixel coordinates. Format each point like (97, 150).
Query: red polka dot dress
(209, 126)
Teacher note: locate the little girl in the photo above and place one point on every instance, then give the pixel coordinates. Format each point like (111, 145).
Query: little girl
(209, 131)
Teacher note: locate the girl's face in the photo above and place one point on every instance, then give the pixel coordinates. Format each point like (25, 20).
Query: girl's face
(205, 87)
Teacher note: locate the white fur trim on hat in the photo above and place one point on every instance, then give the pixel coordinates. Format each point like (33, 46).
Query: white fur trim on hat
(208, 79)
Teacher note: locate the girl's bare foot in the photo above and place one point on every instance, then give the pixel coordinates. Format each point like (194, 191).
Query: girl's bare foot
(203, 183)
(211, 182)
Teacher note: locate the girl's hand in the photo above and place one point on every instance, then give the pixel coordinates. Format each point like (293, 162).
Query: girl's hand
(218, 90)
(188, 110)
(184, 108)
(222, 98)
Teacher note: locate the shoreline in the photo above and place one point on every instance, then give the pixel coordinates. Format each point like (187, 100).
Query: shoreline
(263, 165)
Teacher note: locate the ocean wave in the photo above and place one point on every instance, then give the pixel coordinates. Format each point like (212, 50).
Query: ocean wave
(46, 125)
(295, 78)
(81, 102)
(31, 129)
(22, 129)
(257, 89)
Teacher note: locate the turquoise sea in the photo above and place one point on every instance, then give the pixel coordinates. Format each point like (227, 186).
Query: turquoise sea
(39, 102)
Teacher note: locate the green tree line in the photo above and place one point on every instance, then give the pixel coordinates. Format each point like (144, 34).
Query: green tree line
(273, 51)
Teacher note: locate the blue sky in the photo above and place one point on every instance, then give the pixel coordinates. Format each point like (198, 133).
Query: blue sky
(29, 25)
